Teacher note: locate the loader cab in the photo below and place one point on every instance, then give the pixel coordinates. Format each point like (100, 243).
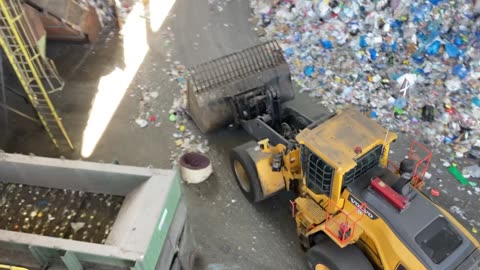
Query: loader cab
(344, 162)
(336, 152)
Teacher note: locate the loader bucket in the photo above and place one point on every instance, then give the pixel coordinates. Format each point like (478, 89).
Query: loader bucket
(211, 84)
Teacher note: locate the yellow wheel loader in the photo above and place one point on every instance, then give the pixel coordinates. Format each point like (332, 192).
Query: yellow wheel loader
(351, 210)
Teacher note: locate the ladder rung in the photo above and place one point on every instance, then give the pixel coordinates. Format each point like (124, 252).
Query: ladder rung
(51, 122)
(21, 55)
(43, 110)
(29, 80)
(43, 104)
(17, 18)
(43, 113)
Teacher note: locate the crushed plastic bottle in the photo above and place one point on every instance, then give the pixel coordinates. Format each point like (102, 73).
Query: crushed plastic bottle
(472, 171)
(452, 50)
(309, 70)
(460, 71)
(433, 48)
(288, 52)
(476, 101)
(373, 54)
(400, 103)
(363, 42)
(327, 44)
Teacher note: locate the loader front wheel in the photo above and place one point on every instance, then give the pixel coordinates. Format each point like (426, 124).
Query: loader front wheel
(327, 255)
(245, 172)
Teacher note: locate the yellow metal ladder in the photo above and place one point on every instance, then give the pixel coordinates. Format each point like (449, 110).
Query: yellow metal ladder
(11, 267)
(37, 74)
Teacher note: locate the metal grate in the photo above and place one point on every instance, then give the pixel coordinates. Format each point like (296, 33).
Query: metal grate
(364, 163)
(319, 174)
(236, 66)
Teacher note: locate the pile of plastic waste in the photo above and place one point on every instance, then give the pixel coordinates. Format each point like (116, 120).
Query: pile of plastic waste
(412, 65)
(104, 8)
(61, 213)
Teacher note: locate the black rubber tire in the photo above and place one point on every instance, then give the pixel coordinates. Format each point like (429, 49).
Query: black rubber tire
(239, 154)
(335, 258)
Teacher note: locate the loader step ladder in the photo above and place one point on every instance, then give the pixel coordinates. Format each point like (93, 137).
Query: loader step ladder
(37, 75)
(342, 226)
(316, 214)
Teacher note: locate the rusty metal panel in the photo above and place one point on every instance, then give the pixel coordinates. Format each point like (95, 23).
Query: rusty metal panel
(67, 10)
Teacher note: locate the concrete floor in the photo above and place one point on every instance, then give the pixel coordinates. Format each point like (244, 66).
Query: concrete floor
(230, 232)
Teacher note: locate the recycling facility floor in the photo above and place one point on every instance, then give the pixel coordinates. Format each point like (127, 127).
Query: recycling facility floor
(230, 232)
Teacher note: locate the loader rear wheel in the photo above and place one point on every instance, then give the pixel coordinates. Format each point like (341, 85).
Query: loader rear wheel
(245, 172)
(327, 255)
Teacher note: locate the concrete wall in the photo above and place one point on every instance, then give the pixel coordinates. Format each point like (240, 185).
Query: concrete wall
(76, 175)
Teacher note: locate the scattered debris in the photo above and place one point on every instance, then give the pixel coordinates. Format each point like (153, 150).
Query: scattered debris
(105, 9)
(457, 174)
(76, 226)
(141, 122)
(457, 210)
(435, 192)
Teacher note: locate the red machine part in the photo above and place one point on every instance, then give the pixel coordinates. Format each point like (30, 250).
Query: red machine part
(422, 155)
(344, 232)
(397, 200)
